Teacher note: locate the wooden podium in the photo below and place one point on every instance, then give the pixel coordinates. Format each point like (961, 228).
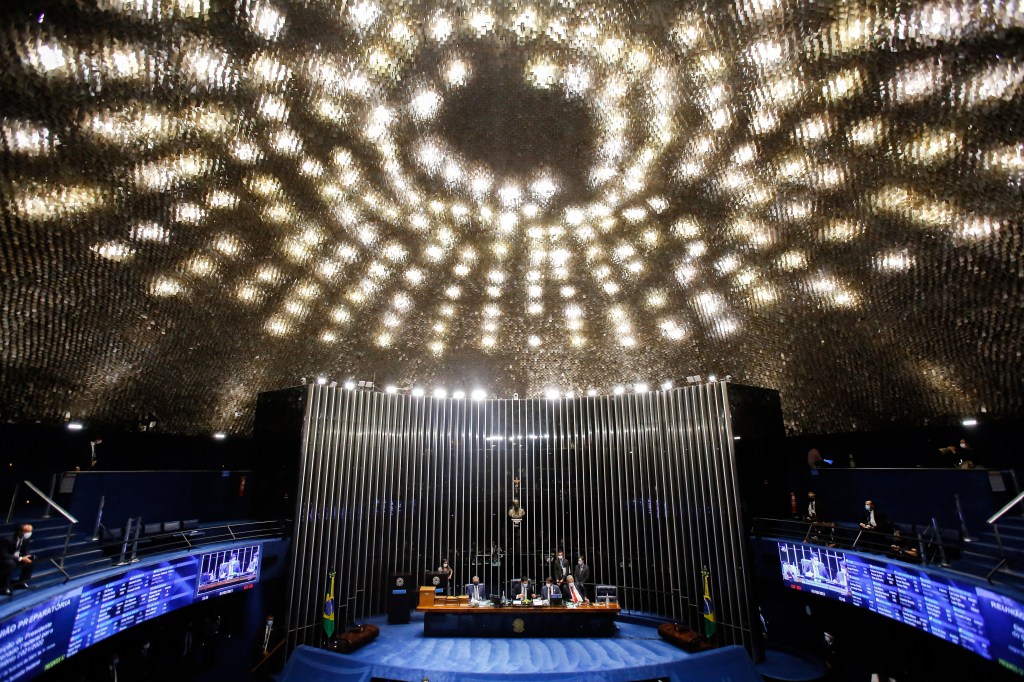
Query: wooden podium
(426, 596)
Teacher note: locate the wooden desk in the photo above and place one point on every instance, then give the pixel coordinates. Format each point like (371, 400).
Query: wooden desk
(518, 621)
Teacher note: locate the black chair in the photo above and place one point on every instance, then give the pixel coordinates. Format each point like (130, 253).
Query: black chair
(190, 524)
(172, 526)
(606, 594)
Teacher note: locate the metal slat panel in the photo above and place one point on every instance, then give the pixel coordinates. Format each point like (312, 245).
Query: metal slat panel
(642, 485)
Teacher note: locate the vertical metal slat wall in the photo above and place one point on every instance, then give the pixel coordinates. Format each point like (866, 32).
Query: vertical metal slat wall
(644, 486)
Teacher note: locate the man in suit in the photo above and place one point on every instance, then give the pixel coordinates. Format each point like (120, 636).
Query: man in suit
(475, 591)
(573, 593)
(560, 567)
(14, 553)
(874, 518)
(523, 592)
(581, 573)
(550, 590)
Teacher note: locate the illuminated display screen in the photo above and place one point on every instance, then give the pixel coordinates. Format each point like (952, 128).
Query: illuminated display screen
(228, 570)
(977, 619)
(39, 638)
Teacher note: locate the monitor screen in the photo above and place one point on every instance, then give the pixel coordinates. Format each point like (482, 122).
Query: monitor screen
(42, 636)
(228, 570)
(970, 616)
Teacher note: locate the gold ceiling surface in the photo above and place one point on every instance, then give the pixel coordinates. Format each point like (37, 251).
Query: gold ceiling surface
(205, 199)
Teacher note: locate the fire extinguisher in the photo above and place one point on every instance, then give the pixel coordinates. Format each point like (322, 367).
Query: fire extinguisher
(241, 488)
(792, 501)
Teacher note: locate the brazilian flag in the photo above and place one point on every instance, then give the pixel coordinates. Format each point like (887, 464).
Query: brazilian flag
(709, 608)
(329, 608)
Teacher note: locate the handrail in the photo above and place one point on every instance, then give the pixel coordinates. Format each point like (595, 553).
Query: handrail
(60, 510)
(1009, 505)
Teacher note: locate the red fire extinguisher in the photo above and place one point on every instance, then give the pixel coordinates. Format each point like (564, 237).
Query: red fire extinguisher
(792, 501)
(241, 489)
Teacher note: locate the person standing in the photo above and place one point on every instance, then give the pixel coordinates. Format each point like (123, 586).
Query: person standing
(581, 573)
(560, 567)
(447, 574)
(14, 553)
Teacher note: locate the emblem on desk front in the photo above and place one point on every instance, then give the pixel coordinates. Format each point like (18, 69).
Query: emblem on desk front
(399, 581)
(518, 625)
(436, 580)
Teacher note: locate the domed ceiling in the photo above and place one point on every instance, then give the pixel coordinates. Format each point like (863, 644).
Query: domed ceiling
(206, 199)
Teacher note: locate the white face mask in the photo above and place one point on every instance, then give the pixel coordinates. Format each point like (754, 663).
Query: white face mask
(581, 562)
(867, 507)
(27, 535)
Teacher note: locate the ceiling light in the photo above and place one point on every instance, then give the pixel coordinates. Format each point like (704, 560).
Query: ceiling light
(666, 386)
(75, 426)
(619, 390)
(220, 435)
(479, 394)
(440, 393)
(391, 389)
(459, 395)
(417, 392)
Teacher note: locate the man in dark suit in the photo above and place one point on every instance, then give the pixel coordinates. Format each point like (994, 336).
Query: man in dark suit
(560, 567)
(581, 573)
(573, 592)
(14, 554)
(875, 526)
(874, 519)
(475, 591)
(550, 590)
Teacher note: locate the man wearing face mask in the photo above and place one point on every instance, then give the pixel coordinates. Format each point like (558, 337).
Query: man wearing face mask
(560, 567)
(14, 554)
(581, 574)
(874, 521)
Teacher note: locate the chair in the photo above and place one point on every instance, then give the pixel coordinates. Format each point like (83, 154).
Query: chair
(515, 586)
(190, 524)
(172, 526)
(152, 528)
(468, 587)
(606, 594)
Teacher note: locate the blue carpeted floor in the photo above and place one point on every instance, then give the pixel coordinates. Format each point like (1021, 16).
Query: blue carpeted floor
(403, 653)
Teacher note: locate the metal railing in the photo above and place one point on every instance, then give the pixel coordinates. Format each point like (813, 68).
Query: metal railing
(925, 546)
(51, 506)
(994, 522)
(133, 545)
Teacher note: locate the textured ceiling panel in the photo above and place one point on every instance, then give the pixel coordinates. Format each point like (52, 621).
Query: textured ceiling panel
(202, 200)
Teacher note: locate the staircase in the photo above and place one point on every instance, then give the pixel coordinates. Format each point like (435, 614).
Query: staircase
(982, 554)
(48, 537)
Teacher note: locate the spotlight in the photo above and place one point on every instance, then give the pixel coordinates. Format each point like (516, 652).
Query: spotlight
(619, 390)
(712, 378)
(728, 377)
(220, 435)
(349, 385)
(970, 421)
(75, 426)
(391, 389)
(479, 394)
(552, 394)
(321, 380)
(640, 388)
(334, 384)
(591, 392)
(440, 393)
(459, 395)
(666, 386)
(417, 392)
(569, 395)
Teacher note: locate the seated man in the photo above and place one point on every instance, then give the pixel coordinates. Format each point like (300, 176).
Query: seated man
(14, 554)
(476, 591)
(574, 594)
(550, 591)
(523, 591)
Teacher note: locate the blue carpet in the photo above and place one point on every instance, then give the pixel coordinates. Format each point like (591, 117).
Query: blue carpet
(403, 653)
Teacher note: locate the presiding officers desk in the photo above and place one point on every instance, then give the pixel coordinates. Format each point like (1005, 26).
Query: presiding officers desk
(456, 617)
